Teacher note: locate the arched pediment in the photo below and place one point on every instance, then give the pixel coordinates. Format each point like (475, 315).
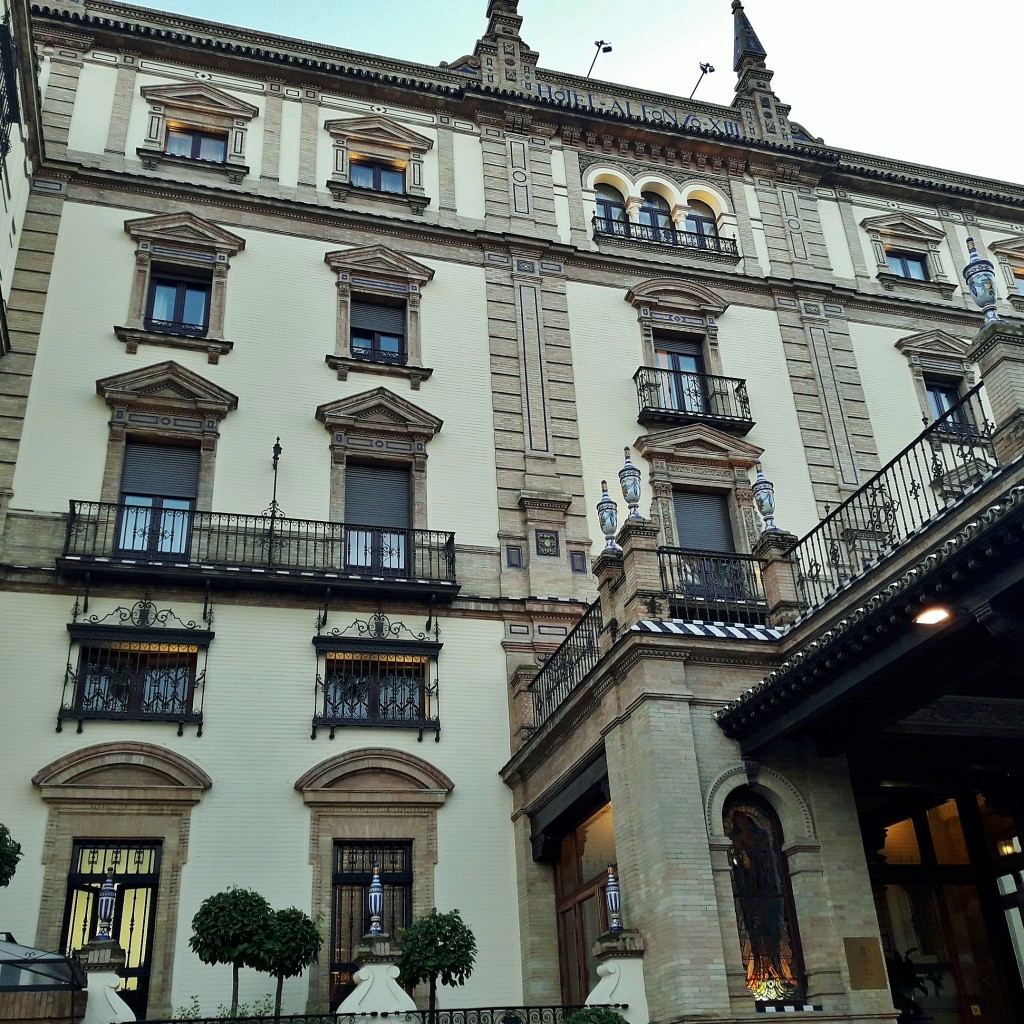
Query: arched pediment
(669, 295)
(375, 776)
(124, 771)
(167, 385)
(379, 412)
(184, 229)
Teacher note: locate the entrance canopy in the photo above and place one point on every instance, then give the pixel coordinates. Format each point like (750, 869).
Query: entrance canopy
(23, 968)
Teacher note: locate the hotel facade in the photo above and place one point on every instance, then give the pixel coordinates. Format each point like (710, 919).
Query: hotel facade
(316, 361)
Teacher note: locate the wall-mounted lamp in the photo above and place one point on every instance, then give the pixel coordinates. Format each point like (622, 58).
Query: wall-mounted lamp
(932, 616)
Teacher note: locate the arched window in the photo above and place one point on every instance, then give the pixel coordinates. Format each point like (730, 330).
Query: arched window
(655, 213)
(764, 901)
(701, 221)
(611, 207)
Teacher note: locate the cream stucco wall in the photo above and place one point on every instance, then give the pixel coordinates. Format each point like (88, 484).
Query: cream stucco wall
(94, 102)
(252, 828)
(757, 226)
(469, 176)
(835, 238)
(291, 130)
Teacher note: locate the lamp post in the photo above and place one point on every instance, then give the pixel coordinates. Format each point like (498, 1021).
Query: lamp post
(705, 69)
(273, 509)
(602, 47)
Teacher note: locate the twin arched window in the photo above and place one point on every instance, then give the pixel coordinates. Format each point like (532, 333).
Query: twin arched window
(655, 213)
(769, 943)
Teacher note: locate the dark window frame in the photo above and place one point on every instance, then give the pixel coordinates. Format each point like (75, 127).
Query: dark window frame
(900, 260)
(377, 169)
(351, 873)
(181, 280)
(196, 137)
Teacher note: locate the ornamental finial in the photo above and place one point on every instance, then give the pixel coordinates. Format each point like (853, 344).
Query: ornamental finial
(629, 481)
(608, 516)
(764, 499)
(981, 279)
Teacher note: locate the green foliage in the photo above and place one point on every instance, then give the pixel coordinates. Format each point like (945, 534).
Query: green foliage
(595, 1015)
(228, 928)
(437, 947)
(290, 944)
(10, 854)
(257, 1013)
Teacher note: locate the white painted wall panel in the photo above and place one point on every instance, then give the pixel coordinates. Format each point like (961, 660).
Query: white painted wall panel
(94, 103)
(469, 176)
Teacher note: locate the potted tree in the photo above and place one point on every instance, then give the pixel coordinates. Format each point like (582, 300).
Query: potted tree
(228, 928)
(289, 945)
(438, 946)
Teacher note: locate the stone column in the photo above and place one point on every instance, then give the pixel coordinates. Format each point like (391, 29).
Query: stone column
(999, 352)
(778, 573)
(642, 586)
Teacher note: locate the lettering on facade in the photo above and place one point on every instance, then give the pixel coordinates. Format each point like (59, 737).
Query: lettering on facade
(651, 112)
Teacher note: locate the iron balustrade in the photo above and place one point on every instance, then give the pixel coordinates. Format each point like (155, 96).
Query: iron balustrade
(713, 586)
(133, 534)
(482, 1015)
(176, 327)
(569, 665)
(681, 396)
(378, 355)
(949, 458)
(608, 227)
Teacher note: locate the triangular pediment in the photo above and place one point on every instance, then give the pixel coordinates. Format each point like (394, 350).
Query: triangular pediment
(666, 293)
(903, 226)
(207, 99)
(185, 229)
(379, 411)
(936, 344)
(1009, 248)
(698, 442)
(379, 130)
(168, 385)
(378, 261)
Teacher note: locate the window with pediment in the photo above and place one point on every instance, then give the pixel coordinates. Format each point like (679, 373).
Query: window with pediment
(1008, 254)
(378, 322)
(180, 285)
(196, 125)
(908, 254)
(377, 160)
(161, 408)
(941, 371)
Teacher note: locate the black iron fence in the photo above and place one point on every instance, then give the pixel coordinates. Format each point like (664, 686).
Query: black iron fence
(952, 456)
(484, 1015)
(150, 533)
(682, 396)
(609, 227)
(713, 586)
(570, 664)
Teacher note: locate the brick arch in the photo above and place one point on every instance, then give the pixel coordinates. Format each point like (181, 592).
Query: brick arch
(397, 768)
(789, 804)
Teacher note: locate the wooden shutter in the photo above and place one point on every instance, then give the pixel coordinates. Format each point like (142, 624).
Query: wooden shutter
(702, 521)
(377, 496)
(159, 469)
(374, 316)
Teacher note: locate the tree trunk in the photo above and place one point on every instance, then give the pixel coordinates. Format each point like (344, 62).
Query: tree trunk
(433, 1000)
(234, 989)
(277, 998)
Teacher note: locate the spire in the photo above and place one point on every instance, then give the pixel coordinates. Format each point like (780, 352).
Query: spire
(748, 47)
(506, 61)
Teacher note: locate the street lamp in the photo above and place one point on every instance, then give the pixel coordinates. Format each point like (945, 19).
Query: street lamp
(602, 47)
(705, 69)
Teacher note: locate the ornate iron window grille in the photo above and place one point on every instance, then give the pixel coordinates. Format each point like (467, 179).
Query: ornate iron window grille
(681, 395)
(137, 663)
(713, 585)
(609, 227)
(376, 672)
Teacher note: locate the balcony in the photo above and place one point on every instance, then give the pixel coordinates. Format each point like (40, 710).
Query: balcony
(219, 547)
(693, 241)
(713, 586)
(675, 397)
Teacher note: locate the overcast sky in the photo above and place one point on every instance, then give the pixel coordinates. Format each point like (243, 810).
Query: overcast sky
(913, 79)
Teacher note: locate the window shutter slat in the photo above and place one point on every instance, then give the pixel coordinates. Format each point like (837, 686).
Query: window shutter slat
(376, 496)
(702, 521)
(160, 470)
(372, 316)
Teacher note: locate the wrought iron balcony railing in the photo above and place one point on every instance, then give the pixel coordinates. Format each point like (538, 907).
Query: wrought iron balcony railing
(106, 533)
(675, 396)
(377, 355)
(713, 586)
(948, 459)
(570, 664)
(607, 227)
(176, 327)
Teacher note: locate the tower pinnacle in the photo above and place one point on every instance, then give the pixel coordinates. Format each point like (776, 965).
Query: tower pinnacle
(748, 48)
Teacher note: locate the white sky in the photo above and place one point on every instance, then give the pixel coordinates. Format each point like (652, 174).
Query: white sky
(928, 81)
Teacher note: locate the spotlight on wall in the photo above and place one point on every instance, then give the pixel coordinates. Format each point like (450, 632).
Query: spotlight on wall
(932, 616)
